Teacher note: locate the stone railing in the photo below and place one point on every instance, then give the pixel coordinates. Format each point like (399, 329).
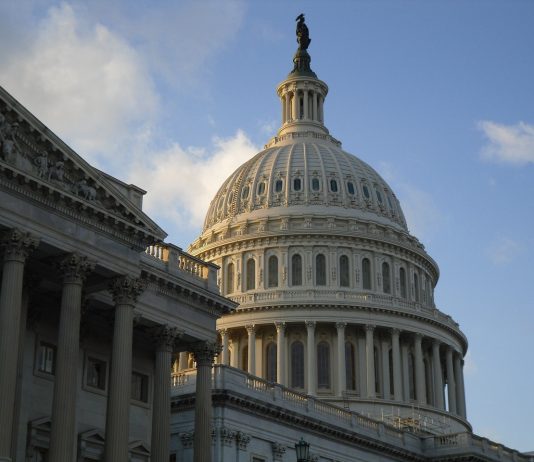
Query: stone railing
(177, 261)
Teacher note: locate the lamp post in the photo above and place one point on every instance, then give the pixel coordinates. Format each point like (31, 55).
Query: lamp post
(303, 450)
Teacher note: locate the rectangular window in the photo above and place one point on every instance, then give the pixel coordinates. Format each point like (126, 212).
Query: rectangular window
(140, 387)
(95, 375)
(46, 358)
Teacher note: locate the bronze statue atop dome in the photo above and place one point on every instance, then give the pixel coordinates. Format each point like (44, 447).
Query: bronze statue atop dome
(303, 35)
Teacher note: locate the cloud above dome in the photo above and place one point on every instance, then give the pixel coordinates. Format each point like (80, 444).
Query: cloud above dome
(511, 144)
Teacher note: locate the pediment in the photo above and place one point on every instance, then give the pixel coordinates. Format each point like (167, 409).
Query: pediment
(35, 162)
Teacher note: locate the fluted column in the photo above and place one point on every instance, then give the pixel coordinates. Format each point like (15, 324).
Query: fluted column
(312, 361)
(341, 360)
(306, 115)
(204, 353)
(386, 388)
(280, 352)
(451, 382)
(125, 291)
(287, 116)
(370, 360)
(63, 433)
(165, 337)
(251, 366)
(16, 246)
(460, 389)
(397, 364)
(234, 354)
(225, 349)
(420, 390)
(438, 375)
(314, 115)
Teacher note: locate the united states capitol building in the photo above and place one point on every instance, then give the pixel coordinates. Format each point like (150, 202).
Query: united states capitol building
(305, 288)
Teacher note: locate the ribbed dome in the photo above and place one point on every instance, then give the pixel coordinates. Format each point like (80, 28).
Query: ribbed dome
(305, 174)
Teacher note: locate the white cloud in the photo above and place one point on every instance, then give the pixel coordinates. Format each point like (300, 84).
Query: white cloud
(512, 144)
(503, 250)
(83, 80)
(181, 182)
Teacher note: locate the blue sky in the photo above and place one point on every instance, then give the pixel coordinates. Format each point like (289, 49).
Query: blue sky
(436, 95)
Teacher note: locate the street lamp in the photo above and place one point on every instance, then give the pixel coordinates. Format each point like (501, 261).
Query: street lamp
(303, 450)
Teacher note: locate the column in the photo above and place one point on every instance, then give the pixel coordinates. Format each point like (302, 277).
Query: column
(320, 109)
(295, 105)
(17, 246)
(314, 108)
(305, 116)
(251, 366)
(451, 383)
(312, 361)
(287, 116)
(204, 353)
(234, 357)
(397, 365)
(341, 360)
(405, 372)
(438, 376)
(63, 433)
(460, 390)
(165, 337)
(280, 352)
(370, 360)
(386, 388)
(125, 291)
(420, 389)
(225, 349)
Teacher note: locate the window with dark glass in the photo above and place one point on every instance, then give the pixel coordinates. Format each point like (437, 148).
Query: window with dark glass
(296, 270)
(323, 365)
(315, 184)
(350, 188)
(278, 186)
(270, 353)
(95, 374)
(402, 280)
(230, 271)
(46, 358)
(244, 193)
(297, 365)
(386, 278)
(272, 280)
(297, 184)
(366, 192)
(378, 195)
(333, 185)
(389, 201)
(366, 274)
(320, 270)
(344, 280)
(139, 390)
(350, 366)
(251, 274)
(261, 188)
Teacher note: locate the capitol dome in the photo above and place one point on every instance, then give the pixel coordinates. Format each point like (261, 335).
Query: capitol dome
(336, 297)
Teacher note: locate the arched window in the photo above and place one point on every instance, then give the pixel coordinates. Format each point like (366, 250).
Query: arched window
(416, 286)
(323, 365)
(244, 193)
(278, 186)
(402, 277)
(272, 271)
(333, 186)
(320, 270)
(344, 280)
(244, 358)
(230, 273)
(296, 270)
(297, 365)
(386, 278)
(315, 184)
(261, 188)
(270, 361)
(366, 192)
(366, 274)
(350, 366)
(297, 184)
(350, 188)
(251, 274)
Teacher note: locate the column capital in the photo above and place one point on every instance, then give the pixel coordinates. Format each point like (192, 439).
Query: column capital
(223, 332)
(418, 336)
(205, 352)
(370, 327)
(165, 337)
(126, 289)
(395, 331)
(251, 328)
(310, 324)
(280, 326)
(17, 245)
(341, 325)
(75, 268)
(436, 343)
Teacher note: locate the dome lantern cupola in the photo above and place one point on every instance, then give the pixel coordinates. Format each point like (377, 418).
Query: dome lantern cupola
(302, 94)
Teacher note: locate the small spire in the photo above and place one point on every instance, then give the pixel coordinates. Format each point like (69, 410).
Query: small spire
(302, 59)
